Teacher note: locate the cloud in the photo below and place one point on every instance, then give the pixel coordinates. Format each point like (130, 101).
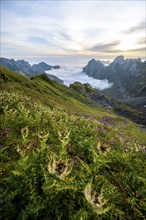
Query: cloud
(70, 74)
(102, 47)
(141, 41)
(37, 40)
(135, 29)
(65, 36)
(66, 27)
(134, 50)
(141, 49)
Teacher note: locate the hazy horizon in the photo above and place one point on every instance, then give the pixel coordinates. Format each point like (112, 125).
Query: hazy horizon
(34, 30)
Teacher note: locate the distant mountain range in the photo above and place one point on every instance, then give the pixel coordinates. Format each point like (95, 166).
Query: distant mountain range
(128, 76)
(23, 67)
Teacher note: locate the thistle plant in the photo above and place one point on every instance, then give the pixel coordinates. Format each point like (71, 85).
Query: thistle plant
(43, 137)
(103, 148)
(60, 168)
(64, 139)
(25, 111)
(96, 200)
(54, 181)
(24, 133)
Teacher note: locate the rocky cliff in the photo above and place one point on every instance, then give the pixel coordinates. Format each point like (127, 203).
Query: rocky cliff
(128, 76)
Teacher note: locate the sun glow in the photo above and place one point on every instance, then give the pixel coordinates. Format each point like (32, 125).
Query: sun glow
(127, 44)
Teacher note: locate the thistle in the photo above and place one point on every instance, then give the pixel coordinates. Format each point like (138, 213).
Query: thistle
(103, 148)
(60, 168)
(43, 137)
(24, 133)
(64, 139)
(64, 135)
(96, 200)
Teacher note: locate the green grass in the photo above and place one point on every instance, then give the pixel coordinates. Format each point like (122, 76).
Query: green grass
(62, 159)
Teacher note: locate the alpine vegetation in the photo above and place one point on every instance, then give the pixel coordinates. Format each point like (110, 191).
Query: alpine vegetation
(56, 164)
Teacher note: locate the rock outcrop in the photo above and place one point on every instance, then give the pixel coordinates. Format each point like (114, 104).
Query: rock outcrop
(128, 76)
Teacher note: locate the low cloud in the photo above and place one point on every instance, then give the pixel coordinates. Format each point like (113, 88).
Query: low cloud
(141, 41)
(106, 48)
(65, 36)
(141, 49)
(135, 29)
(70, 74)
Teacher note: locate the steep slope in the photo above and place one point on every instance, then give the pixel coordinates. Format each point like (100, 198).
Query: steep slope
(43, 89)
(128, 76)
(77, 97)
(64, 154)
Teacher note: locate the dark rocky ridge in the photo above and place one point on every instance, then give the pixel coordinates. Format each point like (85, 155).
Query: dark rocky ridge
(41, 67)
(128, 76)
(24, 68)
(135, 114)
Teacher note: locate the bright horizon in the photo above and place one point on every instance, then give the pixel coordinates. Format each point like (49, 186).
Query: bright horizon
(100, 29)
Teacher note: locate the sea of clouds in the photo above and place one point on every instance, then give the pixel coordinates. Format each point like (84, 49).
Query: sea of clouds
(71, 74)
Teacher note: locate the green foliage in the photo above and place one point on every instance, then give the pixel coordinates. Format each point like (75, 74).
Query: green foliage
(58, 165)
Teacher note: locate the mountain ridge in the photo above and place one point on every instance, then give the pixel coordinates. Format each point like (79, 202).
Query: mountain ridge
(23, 67)
(128, 76)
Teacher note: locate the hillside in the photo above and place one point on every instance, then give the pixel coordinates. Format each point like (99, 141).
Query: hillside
(128, 76)
(77, 98)
(66, 154)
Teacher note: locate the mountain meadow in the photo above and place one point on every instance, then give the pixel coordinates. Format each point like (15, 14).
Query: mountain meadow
(69, 153)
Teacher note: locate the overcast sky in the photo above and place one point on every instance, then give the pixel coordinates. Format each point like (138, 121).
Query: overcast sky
(76, 28)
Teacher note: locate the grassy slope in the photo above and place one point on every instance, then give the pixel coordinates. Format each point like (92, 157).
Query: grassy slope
(52, 94)
(64, 159)
(47, 91)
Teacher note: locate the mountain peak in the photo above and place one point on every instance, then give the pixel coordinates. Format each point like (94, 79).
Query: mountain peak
(119, 59)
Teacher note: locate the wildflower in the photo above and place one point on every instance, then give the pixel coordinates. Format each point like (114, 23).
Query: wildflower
(64, 135)
(68, 145)
(96, 200)
(7, 132)
(24, 132)
(60, 168)
(126, 148)
(142, 150)
(103, 148)
(43, 136)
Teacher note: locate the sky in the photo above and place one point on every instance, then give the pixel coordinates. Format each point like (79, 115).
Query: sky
(100, 29)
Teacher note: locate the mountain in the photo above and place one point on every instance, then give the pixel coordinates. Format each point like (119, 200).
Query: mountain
(95, 68)
(23, 67)
(128, 76)
(19, 66)
(42, 67)
(68, 153)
